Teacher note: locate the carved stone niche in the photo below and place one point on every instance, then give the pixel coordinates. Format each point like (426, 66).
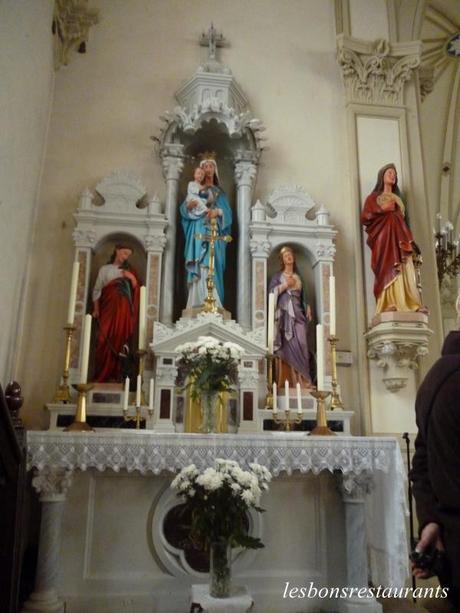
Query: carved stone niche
(397, 343)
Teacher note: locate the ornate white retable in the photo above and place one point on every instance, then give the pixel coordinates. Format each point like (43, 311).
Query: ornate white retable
(327, 524)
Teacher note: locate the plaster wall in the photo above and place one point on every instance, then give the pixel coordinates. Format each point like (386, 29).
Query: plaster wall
(107, 105)
(27, 77)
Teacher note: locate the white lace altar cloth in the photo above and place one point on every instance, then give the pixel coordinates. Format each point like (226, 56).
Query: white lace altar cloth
(370, 459)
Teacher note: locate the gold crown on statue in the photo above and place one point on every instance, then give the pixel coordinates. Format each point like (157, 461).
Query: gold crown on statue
(207, 155)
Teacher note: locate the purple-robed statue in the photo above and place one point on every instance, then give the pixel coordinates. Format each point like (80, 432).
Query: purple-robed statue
(291, 320)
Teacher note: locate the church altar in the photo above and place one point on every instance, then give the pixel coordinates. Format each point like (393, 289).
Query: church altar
(334, 503)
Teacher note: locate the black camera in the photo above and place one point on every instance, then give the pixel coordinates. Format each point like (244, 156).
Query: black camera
(432, 560)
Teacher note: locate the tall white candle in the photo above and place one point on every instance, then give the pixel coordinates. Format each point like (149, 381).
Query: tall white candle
(275, 399)
(142, 322)
(85, 349)
(73, 293)
(151, 389)
(271, 321)
(332, 322)
(299, 398)
(126, 395)
(138, 391)
(319, 358)
(286, 395)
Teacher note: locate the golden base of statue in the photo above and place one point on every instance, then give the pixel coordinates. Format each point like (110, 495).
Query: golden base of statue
(194, 311)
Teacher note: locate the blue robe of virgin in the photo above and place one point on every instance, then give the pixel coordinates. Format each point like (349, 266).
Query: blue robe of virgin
(196, 251)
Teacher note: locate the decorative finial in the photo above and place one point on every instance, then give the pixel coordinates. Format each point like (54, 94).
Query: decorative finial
(212, 39)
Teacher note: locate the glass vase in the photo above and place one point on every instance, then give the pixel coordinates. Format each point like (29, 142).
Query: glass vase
(220, 569)
(209, 402)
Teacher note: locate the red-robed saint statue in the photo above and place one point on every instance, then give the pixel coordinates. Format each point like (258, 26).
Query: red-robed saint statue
(116, 307)
(392, 246)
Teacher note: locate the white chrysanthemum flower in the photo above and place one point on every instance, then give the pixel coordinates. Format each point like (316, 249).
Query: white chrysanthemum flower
(248, 497)
(210, 479)
(236, 487)
(184, 485)
(191, 469)
(191, 492)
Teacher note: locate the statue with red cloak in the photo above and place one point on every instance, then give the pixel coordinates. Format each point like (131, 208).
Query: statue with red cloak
(115, 310)
(392, 245)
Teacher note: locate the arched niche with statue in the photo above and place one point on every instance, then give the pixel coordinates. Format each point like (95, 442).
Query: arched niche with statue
(213, 115)
(291, 217)
(117, 210)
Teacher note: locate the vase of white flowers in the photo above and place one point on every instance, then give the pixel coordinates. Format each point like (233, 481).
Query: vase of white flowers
(211, 367)
(219, 498)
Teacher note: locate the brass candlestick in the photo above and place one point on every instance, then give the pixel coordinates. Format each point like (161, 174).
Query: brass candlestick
(321, 428)
(209, 305)
(137, 417)
(142, 353)
(287, 421)
(269, 399)
(62, 393)
(79, 424)
(336, 401)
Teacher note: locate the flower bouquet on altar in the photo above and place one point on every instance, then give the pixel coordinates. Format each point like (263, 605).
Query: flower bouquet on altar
(211, 367)
(218, 499)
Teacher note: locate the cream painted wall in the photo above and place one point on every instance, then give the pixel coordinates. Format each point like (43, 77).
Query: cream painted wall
(26, 76)
(107, 105)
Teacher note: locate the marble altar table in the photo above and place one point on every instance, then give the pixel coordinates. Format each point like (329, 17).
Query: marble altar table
(336, 516)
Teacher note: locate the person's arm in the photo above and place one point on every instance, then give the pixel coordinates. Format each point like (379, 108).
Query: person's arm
(425, 500)
(129, 275)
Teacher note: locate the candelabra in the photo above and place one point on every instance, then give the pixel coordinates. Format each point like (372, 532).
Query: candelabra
(287, 421)
(447, 250)
(63, 391)
(336, 401)
(79, 424)
(209, 305)
(321, 428)
(137, 417)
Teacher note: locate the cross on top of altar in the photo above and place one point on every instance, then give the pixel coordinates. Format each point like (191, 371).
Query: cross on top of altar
(212, 39)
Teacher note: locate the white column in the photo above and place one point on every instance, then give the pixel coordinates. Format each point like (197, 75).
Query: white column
(245, 173)
(173, 164)
(354, 489)
(52, 485)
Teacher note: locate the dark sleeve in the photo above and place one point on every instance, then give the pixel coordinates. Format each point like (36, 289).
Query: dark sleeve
(425, 500)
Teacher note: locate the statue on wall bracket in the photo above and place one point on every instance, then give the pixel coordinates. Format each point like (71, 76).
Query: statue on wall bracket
(396, 257)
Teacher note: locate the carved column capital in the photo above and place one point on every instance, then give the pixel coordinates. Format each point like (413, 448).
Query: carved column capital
(375, 72)
(245, 173)
(353, 487)
(84, 239)
(172, 161)
(260, 248)
(52, 483)
(155, 242)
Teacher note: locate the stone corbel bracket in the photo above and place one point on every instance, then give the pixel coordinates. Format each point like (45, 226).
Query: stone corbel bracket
(375, 72)
(72, 21)
(397, 348)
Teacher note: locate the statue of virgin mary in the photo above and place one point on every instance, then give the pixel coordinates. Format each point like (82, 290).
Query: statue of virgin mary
(196, 251)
